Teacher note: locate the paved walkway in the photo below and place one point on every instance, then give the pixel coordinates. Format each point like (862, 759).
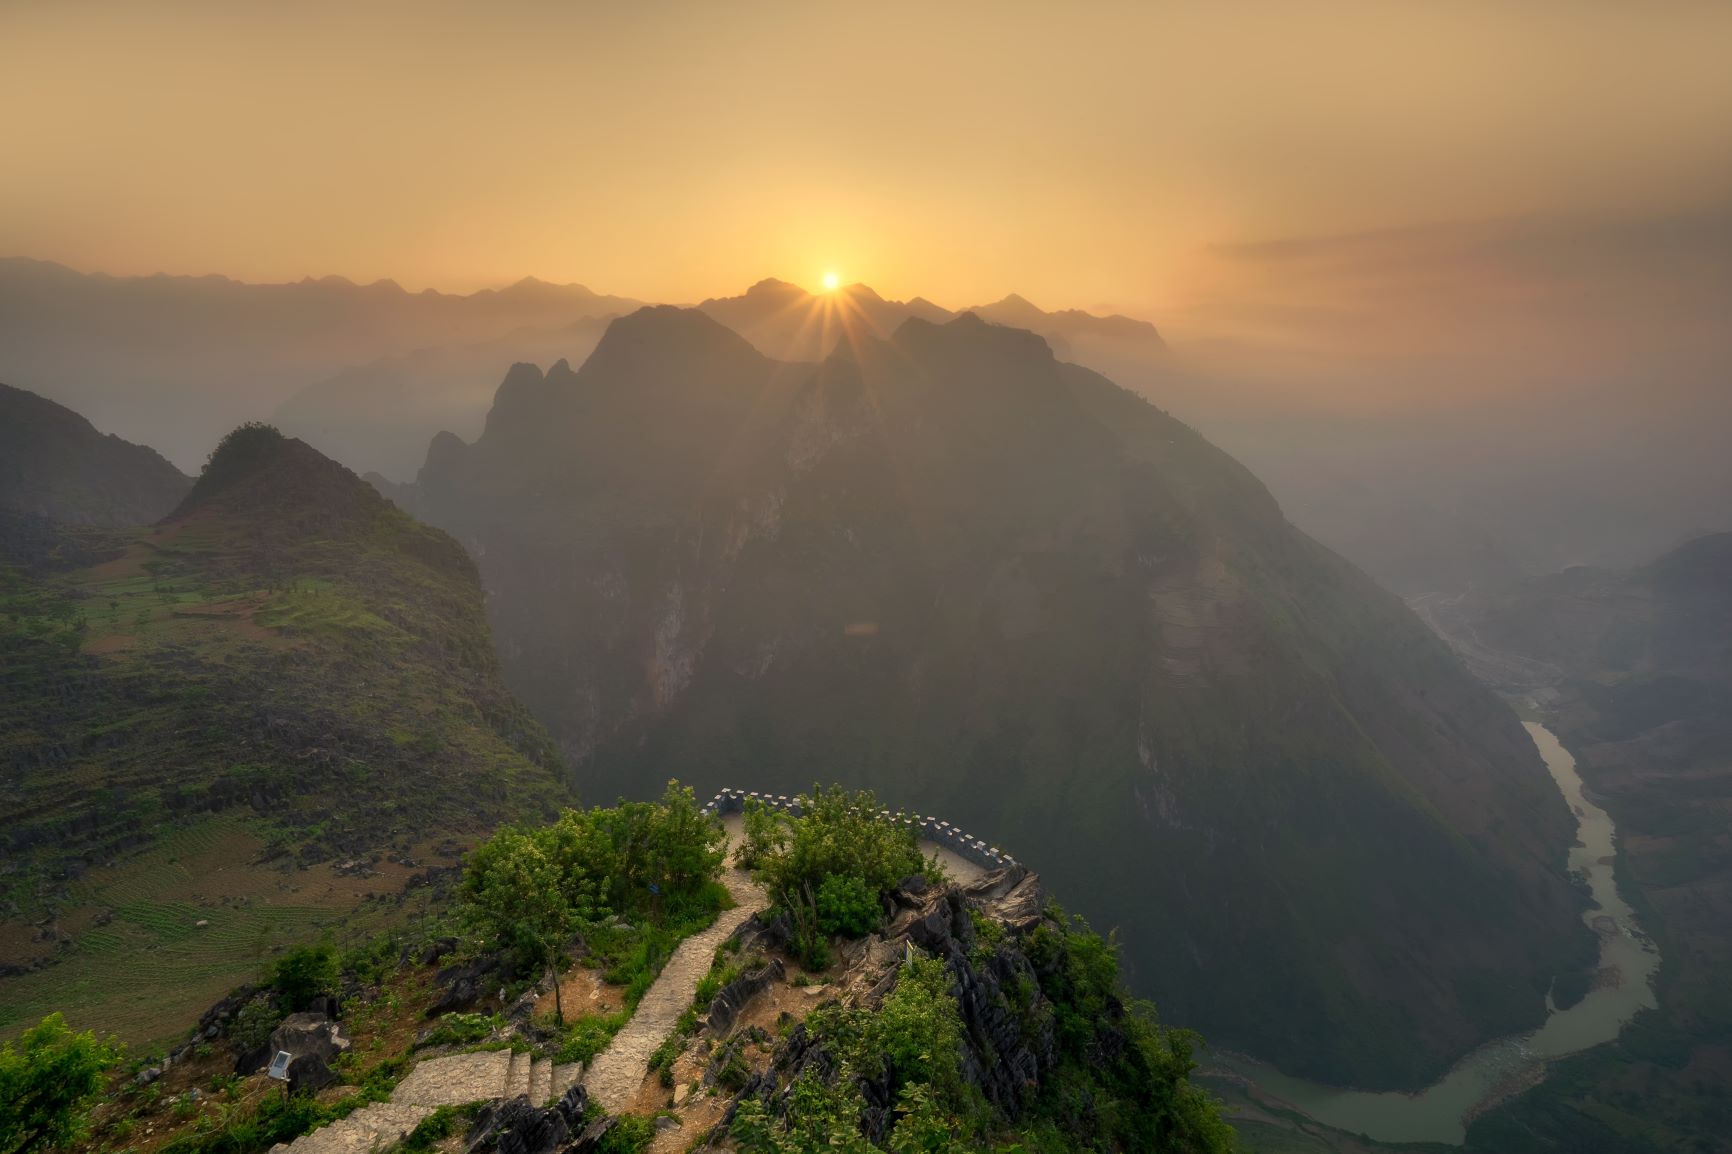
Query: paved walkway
(617, 1073)
(615, 1076)
(453, 1080)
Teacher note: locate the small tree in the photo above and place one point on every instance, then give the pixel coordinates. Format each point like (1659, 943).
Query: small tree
(47, 1083)
(514, 894)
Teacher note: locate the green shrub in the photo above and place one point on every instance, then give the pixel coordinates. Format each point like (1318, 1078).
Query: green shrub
(527, 889)
(372, 961)
(589, 1036)
(275, 1119)
(301, 975)
(47, 1083)
(254, 1023)
(837, 833)
(461, 1029)
(847, 905)
(630, 1135)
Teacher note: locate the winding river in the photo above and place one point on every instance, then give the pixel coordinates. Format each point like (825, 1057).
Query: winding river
(1440, 1113)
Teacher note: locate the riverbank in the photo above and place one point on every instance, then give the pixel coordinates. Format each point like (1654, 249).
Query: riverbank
(1508, 1066)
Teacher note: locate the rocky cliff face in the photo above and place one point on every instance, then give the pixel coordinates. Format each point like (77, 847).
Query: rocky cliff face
(949, 567)
(1009, 1042)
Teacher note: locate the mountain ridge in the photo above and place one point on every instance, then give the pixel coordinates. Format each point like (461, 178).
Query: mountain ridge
(55, 464)
(954, 568)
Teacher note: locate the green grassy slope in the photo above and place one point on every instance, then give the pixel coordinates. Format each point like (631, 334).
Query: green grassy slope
(287, 660)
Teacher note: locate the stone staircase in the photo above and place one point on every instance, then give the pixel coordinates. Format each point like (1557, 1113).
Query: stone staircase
(369, 1128)
(449, 1081)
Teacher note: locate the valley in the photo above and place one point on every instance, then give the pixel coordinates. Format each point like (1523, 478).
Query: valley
(991, 584)
(1583, 1017)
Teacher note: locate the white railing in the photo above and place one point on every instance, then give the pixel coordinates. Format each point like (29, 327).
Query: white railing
(951, 837)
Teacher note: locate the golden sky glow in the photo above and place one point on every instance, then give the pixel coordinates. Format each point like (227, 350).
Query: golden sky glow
(1080, 154)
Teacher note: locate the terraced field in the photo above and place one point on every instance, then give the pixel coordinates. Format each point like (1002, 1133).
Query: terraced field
(140, 964)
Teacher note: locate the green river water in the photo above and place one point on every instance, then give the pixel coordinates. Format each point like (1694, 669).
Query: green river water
(1438, 1113)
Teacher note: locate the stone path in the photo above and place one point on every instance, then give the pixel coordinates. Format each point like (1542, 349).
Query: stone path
(449, 1081)
(369, 1128)
(615, 1076)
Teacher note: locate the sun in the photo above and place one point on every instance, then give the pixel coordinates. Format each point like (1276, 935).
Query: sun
(832, 282)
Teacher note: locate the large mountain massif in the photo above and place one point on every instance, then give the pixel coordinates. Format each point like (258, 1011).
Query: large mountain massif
(994, 586)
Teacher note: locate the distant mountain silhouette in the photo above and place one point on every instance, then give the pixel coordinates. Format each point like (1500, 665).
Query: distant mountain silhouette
(378, 417)
(173, 361)
(785, 321)
(54, 464)
(994, 586)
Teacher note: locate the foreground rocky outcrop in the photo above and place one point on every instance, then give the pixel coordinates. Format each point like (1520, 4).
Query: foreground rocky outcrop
(1033, 1037)
(1008, 1042)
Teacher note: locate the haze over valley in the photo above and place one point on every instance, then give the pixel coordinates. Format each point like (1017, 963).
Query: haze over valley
(771, 579)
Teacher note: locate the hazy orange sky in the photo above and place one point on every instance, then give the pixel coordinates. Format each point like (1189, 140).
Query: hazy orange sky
(1082, 154)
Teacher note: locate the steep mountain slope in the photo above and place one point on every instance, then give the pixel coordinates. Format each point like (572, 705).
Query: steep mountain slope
(1633, 670)
(287, 670)
(176, 361)
(378, 417)
(54, 464)
(994, 586)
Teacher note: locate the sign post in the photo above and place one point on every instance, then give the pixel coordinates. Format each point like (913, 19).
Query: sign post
(280, 1070)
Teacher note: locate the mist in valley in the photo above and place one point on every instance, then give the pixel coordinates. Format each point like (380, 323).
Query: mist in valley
(775, 578)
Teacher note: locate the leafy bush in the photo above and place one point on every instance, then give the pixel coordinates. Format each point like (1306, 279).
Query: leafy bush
(372, 961)
(847, 905)
(47, 1083)
(301, 975)
(589, 1036)
(459, 1029)
(526, 888)
(254, 1023)
(722, 971)
(838, 833)
(630, 1135)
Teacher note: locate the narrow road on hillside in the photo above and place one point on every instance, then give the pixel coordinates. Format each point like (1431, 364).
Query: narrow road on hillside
(616, 1074)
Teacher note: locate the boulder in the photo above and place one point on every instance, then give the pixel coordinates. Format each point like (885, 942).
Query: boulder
(220, 1014)
(436, 950)
(313, 1041)
(462, 986)
(590, 1139)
